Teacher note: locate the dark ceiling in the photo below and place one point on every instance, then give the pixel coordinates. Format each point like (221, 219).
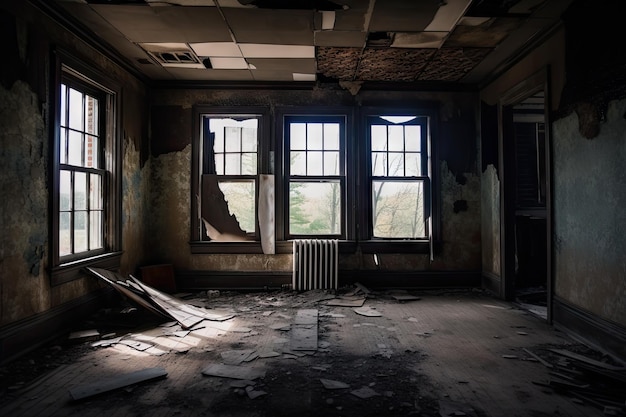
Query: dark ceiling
(434, 41)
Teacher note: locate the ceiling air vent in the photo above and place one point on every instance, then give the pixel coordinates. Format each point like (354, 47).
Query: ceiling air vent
(177, 55)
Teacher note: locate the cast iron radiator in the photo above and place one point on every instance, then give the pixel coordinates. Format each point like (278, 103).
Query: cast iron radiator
(315, 264)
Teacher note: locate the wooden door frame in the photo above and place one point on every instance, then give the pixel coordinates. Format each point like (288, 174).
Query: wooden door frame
(506, 159)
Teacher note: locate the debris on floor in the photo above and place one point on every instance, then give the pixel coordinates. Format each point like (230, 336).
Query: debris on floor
(598, 381)
(116, 382)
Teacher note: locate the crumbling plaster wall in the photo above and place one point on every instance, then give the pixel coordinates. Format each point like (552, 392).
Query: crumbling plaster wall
(490, 222)
(169, 219)
(25, 284)
(589, 214)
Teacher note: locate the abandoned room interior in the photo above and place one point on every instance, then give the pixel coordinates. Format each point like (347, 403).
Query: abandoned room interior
(278, 208)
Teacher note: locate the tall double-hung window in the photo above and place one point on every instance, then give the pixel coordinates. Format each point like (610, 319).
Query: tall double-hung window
(85, 201)
(399, 182)
(315, 175)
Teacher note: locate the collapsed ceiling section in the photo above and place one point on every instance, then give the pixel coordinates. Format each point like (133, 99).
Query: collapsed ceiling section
(313, 40)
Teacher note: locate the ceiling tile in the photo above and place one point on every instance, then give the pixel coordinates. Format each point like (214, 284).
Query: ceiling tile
(448, 15)
(292, 27)
(418, 39)
(254, 50)
(402, 15)
(486, 35)
(392, 64)
(338, 63)
(210, 74)
(451, 64)
(340, 38)
(269, 75)
(196, 24)
(228, 63)
(300, 65)
(223, 49)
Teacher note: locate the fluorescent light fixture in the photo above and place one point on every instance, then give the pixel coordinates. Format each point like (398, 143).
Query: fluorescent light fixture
(258, 50)
(328, 20)
(303, 77)
(448, 15)
(228, 63)
(221, 49)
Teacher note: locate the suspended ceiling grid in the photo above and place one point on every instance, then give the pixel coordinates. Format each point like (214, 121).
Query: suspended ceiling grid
(348, 40)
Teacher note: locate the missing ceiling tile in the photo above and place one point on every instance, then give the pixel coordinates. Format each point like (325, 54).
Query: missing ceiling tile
(172, 54)
(379, 39)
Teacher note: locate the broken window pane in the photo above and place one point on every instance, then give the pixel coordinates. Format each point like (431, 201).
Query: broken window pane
(240, 197)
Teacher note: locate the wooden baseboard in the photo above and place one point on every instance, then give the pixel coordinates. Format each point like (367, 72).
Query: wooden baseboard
(28, 334)
(602, 334)
(204, 280)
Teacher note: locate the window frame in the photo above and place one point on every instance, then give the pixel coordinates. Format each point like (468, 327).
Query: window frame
(264, 166)
(282, 183)
(79, 73)
(366, 240)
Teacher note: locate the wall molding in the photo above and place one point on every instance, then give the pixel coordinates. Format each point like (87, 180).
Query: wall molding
(604, 335)
(254, 280)
(33, 332)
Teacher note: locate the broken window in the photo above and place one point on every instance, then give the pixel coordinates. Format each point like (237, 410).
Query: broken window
(229, 190)
(315, 177)
(398, 179)
(85, 175)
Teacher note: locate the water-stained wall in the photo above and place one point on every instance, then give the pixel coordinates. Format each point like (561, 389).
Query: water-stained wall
(170, 204)
(590, 215)
(28, 38)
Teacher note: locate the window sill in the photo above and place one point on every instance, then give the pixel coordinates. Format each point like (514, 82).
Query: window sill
(73, 270)
(200, 247)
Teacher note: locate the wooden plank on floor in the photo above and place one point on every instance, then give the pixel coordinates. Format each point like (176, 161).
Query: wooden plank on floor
(116, 382)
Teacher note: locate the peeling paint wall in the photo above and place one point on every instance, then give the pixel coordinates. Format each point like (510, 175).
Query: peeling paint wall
(590, 214)
(25, 158)
(169, 220)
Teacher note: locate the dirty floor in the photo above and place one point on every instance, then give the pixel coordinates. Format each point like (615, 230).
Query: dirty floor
(429, 353)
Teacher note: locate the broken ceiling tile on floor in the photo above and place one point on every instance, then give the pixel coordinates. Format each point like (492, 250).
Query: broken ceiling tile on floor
(234, 371)
(346, 302)
(332, 384)
(116, 382)
(364, 393)
(368, 312)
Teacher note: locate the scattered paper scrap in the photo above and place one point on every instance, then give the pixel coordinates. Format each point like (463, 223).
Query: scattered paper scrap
(235, 357)
(332, 384)
(346, 302)
(252, 393)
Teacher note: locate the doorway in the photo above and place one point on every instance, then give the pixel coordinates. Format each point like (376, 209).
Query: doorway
(525, 196)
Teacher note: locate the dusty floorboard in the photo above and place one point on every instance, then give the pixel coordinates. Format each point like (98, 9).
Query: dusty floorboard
(455, 352)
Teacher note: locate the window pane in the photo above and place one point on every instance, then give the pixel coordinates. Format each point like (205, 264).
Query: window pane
(297, 136)
(219, 164)
(297, 163)
(80, 191)
(95, 192)
(76, 109)
(379, 164)
(91, 113)
(331, 136)
(413, 164)
(398, 209)
(80, 231)
(63, 105)
(396, 138)
(314, 163)
(218, 144)
(412, 140)
(233, 164)
(314, 208)
(91, 159)
(233, 139)
(379, 138)
(65, 190)
(249, 139)
(65, 235)
(75, 150)
(331, 163)
(396, 165)
(240, 197)
(95, 230)
(248, 164)
(314, 136)
(63, 146)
